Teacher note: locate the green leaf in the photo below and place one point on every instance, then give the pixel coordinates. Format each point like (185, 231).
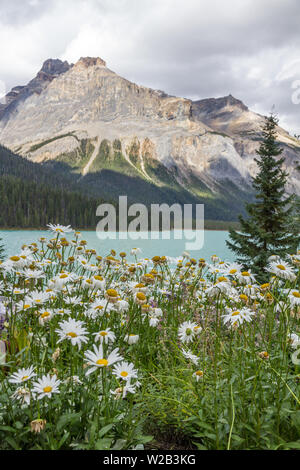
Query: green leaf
(12, 442)
(7, 428)
(103, 444)
(66, 419)
(144, 439)
(119, 444)
(292, 445)
(105, 430)
(63, 440)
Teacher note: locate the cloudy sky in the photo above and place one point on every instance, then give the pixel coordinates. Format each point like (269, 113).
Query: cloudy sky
(191, 48)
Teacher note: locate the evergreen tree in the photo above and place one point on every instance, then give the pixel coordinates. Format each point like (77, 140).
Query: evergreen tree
(269, 228)
(297, 203)
(1, 250)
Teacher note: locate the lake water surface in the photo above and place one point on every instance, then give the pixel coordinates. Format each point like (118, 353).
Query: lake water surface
(214, 243)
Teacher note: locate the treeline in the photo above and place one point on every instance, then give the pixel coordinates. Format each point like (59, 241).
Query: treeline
(15, 165)
(27, 204)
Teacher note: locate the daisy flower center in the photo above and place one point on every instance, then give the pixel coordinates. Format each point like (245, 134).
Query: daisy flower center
(296, 294)
(47, 389)
(14, 258)
(245, 273)
(234, 314)
(141, 296)
(24, 377)
(112, 293)
(281, 267)
(72, 334)
(103, 333)
(199, 373)
(45, 314)
(232, 271)
(188, 331)
(102, 362)
(124, 373)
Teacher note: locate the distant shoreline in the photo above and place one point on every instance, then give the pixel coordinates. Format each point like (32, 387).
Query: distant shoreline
(211, 225)
(93, 230)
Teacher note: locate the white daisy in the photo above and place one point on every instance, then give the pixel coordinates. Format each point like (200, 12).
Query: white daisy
(121, 392)
(22, 375)
(36, 298)
(97, 360)
(45, 316)
(198, 375)
(131, 338)
(46, 386)
(188, 355)
(59, 228)
(105, 336)
(237, 317)
(245, 277)
(63, 278)
(18, 291)
(72, 330)
(294, 297)
(222, 286)
(281, 269)
(97, 308)
(125, 371)
(294, 340)
(135, 251)
(98, 282)
(73, 379)
(186, 331)
(153, 321)
(33, 274)
(122, 305)
(23, 395)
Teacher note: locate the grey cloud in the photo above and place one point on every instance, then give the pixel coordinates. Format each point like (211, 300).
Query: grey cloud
(195, 49)
(17, 11)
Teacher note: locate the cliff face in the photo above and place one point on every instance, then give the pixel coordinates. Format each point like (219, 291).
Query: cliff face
(51, 69)
(71, 113)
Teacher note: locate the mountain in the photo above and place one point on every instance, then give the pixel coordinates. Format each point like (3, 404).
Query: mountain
(115, 137)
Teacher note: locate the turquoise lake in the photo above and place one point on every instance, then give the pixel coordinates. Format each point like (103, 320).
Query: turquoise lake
(214, 243)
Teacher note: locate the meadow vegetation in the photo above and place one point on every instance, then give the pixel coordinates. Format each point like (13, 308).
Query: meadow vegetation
(116, 351)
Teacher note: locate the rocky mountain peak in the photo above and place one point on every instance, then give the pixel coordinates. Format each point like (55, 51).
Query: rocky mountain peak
(90, 62)
(213, 105)
(51, 69)
(72, 113)
(55, 66)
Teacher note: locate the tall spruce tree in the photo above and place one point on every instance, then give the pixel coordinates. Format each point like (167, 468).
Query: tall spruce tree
(297, 203)
(1, 250)
(270, 227)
